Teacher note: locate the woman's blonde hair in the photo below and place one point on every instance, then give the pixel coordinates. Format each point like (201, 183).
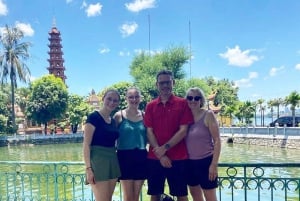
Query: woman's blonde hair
(198, 91)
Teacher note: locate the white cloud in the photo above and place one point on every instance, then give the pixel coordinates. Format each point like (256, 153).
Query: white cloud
(139, 5)
(152, 52)
(253, 75)
(104, 50)
(68, 1)
(83, 5)
(236, 57)
(274, 71)
(246, 82)
(26, 28)
(3, 8)
(297, 67)
(93, 9)
(128, 28)
(124, 53)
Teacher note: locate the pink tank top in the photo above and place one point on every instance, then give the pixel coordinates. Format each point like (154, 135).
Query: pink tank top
(199, 140)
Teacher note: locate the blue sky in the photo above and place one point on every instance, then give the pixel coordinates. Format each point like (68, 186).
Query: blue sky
(255, 43)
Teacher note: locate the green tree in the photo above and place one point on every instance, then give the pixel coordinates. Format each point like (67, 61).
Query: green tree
(144, 68)
(4, 110)
(271, 104)
(261, 109)
(277, 102)
(12, 62)
(48, 100)
(77, 110)
(249, 110)
(226, 94)
(229, 111)
(294, 100)
(201, 83)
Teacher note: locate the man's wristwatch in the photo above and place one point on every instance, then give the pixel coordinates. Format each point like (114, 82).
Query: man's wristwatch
(167, 146)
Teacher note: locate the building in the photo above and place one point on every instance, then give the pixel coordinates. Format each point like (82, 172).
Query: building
(56, 61)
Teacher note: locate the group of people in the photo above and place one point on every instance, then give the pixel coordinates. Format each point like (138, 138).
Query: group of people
(183, 138)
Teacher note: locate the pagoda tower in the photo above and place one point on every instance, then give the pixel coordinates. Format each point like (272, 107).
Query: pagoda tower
(56, 60)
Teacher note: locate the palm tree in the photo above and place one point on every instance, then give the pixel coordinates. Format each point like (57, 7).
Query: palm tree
(254, 103)
(248, 110)
(277, 102)
(12, 55)
(260, 102)
(294, 100)
(271, 104)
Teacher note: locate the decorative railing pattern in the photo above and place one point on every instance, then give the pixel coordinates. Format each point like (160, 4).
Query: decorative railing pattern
(64, 181)
(264, 131)
(261, 182)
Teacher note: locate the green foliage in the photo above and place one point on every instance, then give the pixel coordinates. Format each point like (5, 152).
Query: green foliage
(144, 68)
(77, 110)
(294, 100)
(201, 83)
(48, 99)
(5, 117)
(12, 65)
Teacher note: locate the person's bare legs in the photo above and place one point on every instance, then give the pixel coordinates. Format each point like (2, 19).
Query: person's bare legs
(103, 190)
(131, 189)
(182, 198)
(154, 197)
(210, 194)
(196, 193)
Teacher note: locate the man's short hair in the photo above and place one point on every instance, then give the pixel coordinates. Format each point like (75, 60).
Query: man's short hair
(164, 72)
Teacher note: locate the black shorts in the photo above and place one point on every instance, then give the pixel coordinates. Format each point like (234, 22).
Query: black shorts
(174, 175)
(133, 164)
(198, 172)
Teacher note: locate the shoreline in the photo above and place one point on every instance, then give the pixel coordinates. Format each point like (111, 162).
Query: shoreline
(290, 142)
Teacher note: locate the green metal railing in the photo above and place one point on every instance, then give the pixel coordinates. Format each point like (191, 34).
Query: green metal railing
(64, 181)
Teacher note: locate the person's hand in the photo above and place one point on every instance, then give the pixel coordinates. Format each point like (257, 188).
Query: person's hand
(213, 172)
(165, 162)
(90, 178)
(159, 151)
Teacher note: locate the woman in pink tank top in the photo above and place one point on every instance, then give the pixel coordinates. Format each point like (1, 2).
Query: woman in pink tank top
(204, 147)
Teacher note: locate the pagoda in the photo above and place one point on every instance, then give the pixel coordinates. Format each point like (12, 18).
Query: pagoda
(56, 60)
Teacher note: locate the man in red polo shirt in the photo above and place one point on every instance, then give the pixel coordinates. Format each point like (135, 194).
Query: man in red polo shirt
(167, 118)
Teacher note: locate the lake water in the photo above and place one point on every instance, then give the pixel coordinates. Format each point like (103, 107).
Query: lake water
(235, 153)
(231, 153)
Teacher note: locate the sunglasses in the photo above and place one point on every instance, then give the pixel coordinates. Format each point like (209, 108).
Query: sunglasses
(195, 98)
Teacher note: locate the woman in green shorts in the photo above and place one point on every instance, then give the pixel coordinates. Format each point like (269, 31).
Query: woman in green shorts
(99, 151)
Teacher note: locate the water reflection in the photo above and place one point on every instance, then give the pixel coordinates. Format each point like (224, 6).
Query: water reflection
(231, 153)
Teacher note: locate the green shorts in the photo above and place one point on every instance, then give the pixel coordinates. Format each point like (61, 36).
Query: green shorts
(104, 162)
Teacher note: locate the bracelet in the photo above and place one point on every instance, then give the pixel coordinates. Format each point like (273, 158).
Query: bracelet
(88, 168)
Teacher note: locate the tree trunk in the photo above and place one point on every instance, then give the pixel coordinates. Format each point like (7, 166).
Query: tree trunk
(13, 116)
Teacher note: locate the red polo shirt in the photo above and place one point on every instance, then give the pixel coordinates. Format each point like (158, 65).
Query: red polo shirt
(165, 120)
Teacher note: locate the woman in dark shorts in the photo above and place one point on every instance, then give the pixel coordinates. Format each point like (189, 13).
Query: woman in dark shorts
(131, 146)
(99, 151)
(204, 147)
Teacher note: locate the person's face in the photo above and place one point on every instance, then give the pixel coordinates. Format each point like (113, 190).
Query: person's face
(111, 101)
(194, 99)
(164, 84)
(133, 98)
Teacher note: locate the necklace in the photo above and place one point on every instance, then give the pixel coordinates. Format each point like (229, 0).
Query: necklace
(106, 117)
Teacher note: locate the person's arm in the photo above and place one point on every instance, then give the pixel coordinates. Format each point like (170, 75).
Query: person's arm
(164, 160)
(179, 135)
(151, 138)
(88, 136)
(213, 126)
(118, 117)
